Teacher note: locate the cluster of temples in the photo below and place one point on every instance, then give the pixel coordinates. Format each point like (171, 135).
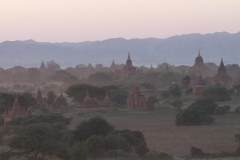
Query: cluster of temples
(127, 70)
(221, 77)
(88, 102)
(15, 112)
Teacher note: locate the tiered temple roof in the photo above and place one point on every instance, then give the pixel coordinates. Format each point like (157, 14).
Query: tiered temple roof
(106, 102)
(87, 102)
(200, 67)
(222, 76)
(113, 67)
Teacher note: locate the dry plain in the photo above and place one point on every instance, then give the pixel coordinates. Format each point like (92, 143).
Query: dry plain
(161, 133)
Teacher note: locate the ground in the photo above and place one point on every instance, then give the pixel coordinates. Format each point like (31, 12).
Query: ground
(163, 136)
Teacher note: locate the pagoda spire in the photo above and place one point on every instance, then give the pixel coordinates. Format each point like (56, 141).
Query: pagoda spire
(199, 55)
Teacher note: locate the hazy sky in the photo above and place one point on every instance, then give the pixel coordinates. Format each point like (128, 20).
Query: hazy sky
(90, 20)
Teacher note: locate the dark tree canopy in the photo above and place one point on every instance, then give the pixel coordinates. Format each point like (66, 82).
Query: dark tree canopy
(94, 126)
(204, 104)
(38, 138)
(190, 117)
(216, 93)
(50, 97)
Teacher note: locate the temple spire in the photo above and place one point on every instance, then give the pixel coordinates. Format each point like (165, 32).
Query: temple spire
(199, 55)
(129, 55)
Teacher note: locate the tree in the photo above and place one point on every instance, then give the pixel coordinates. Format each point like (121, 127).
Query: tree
(50, 97)
(16, 123)
(38, 138)
(175, 90)
(94, 126)
(190, 117)
(52, 66)
(33, 74)
(204, 104)
(141, 150)
(95, 146)
(216, 93)
(60, 75)
(177, 104)
(188, 91)
(165, 94)
(99, 77)
(116, 142)
(151, 101)
(70, 79)
(61, 101)
(78, 92)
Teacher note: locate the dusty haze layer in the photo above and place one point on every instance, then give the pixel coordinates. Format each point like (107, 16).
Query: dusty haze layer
(83, 20)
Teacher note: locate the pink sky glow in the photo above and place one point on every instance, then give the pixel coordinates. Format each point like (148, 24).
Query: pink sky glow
(91, 20)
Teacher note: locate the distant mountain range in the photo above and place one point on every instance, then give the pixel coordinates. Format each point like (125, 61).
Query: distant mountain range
(176, 50)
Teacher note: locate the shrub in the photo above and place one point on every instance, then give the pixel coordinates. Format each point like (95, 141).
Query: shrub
(133, 137)
(151, 101)
(190, 117)
(177, 104)
(204, 104)
(222, 109)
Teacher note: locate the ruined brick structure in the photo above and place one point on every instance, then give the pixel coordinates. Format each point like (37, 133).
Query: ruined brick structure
(222, 76)
(197, 90)
(136, 99)
(40, 101)
(186, 81)
(200, 68)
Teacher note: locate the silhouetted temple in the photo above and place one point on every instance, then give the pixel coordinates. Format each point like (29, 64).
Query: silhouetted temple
(42, 67)
(222, 77)
(106, 102)
(129, 69)
(197, 90)
(87, 102)
(40, 101)
(16, 112)
(84, 72)
(200, 67)
(136, 99)
(113, 67)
